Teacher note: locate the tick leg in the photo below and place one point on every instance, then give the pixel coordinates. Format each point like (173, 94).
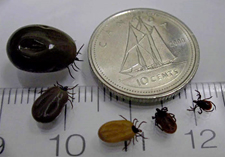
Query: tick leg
(142, 136)
(141, 123)
(135, 121)
(199, 95)
(77, 59)
(73, 87)
(123, 117)
(136, 138)
(158, 126)
(42, 91)
(70, 73)
(71, 102)
(207, 98)
(76, 65)
(128, 142)
(71, 97)
(71, 93)
(59, 84)
(192, 109)
(200, 111)
(74, 68)
(78, 52)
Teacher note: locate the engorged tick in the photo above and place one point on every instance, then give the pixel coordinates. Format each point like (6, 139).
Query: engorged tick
(120, 130)
(207, 106)
(165, 121)
(42, 49)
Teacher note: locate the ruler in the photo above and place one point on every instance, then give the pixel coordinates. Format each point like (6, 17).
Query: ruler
(74, 133)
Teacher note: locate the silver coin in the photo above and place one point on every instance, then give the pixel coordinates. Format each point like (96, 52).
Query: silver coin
(143, 54)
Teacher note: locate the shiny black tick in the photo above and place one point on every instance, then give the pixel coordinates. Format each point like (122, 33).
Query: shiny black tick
(207, 106)
(41, 48)
(165, 121)
(50, 104)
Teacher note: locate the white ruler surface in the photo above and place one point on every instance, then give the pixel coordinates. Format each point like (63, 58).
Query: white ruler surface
(74, 133)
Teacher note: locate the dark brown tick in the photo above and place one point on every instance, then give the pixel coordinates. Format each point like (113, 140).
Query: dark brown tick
(207, 106)
(165, 121)
(41, 49)
(50, 104)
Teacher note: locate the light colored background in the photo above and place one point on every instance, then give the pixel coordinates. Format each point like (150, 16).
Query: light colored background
(79, 18)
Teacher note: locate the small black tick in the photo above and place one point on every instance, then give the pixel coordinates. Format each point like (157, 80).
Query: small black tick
(165, 121)
(207, 106)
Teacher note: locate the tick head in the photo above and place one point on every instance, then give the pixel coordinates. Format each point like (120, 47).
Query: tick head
(136, 130)
(195, 101)
(65, 88)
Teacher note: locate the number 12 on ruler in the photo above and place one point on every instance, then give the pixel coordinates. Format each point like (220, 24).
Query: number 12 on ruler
(206, 143)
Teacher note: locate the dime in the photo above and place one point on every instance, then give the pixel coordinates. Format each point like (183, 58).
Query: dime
(143, 54)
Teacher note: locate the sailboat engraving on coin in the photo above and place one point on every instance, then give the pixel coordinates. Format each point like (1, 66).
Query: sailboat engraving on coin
(146, 53)
(143, 54)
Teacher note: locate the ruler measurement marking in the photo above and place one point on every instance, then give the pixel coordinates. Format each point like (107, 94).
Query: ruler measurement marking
(161, 102)
(98, 99)
(203, 89)
(110, 96)
(4, 98)
(196, 86)
(15, 96)
(91, 93)
(3, 94)
(185, 93)
(78, 94)
(85, 94)
(104, 93)
(65, 115)
(9, 95)
(222, 93)
(41, 90)
(143, 141)
(210, 93)
(72, 99)
(35, 92)
(130, 110)
(28, 95)
(125, 146)
(215, 89)
(21, 101)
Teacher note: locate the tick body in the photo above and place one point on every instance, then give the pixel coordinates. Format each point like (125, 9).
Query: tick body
(119, 130)
(207, 106)
(165, 121)
(50, 104)
(40, 48)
